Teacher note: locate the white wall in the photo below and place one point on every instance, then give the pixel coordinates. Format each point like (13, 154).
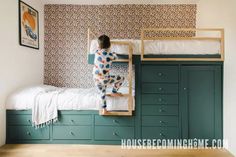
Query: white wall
(19, 66)
(222, 13)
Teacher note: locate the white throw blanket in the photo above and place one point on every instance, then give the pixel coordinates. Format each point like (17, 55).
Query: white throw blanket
(44, 109)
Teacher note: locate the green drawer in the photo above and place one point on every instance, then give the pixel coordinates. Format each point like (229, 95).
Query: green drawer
(160, 110)
(74, 120)
(114, 121)
(27, 133)
(72, 132)
(159, 99)
(156, 73)
(113, 133)
(19, 120)
(159, 88)
(159, 120)
(160, 133)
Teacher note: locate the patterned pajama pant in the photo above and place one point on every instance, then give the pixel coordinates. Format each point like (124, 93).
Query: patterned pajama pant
(102, 85)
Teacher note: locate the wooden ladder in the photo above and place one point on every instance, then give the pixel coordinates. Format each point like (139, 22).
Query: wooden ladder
(129, 61)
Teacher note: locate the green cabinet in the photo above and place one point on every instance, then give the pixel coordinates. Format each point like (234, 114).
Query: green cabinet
(160, 101)
(173, 100)
(201, 101)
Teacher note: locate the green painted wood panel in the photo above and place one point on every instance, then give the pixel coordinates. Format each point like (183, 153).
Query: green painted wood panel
(27, 133)
(156, 73)
(160, 132)
(114, 120)
(160, 110)
(201, 102)
(74, 120)
(113, 133)
(159, 88)
(72, 132)
(19, 119)
(159, 99)
(160, 121)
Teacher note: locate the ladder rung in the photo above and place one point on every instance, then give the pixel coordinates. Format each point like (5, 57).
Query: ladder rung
(116, 113)
(123, 95)
(121, 60)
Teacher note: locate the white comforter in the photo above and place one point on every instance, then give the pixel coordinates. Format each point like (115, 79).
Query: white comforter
(165, 47)
(45, 101)
(67, 99)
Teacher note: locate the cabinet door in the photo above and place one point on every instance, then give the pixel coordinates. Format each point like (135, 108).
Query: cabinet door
(201, 102)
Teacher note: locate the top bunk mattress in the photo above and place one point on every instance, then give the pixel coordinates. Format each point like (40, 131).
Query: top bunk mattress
(165, 47)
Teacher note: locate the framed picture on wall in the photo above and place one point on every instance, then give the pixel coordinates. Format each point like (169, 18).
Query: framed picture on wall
(28, 26)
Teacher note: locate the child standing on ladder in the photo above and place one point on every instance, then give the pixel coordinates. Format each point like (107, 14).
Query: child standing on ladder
(101, 71)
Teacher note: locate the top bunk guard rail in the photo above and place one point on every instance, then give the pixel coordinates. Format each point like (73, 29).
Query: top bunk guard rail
(194, 30)
(129, 112)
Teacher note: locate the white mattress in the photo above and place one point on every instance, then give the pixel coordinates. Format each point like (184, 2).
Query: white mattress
(166, 47)
(68, 99)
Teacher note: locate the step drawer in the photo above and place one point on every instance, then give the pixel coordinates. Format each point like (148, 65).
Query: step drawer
(160, 132)
(28, 133)
(19, 120)
(160, 120)
(72, 132)
(159, 99)
(113, 133)
(159, 88)
(160, 110)
(114, 121)
(74, 120)
(156, 73)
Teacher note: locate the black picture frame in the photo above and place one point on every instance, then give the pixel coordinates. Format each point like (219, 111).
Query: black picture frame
(28, 26)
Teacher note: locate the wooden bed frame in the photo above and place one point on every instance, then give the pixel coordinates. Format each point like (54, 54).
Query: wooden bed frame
(194, 30)
(129, 61)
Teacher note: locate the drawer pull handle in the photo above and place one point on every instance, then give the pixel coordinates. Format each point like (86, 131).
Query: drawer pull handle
(72, 121)
(161, 121)
(161, 110)
(71, 133)
(160, 99)
(160, 89)
(160, 74)
(28, 133)
(29, 121)
(115, 121)
(114, 134)
(161, 134)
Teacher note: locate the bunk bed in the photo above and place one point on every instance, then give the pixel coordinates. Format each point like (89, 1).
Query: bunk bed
(153, 45)
(173, 73)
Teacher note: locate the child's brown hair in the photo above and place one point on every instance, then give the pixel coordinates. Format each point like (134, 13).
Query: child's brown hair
(104, 42)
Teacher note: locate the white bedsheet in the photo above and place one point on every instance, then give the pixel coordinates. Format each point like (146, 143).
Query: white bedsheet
(68, 98)
(166, 47)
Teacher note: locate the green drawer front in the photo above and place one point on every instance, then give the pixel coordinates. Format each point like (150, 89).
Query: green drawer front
(113, 133)
(74, 120)
(19, 120)
(114, 121)
(159, 120)
(160, 110)
(155, 73)
(160, 133)
(72, 132)
(28, 133)
(159, 99)
(159, 88)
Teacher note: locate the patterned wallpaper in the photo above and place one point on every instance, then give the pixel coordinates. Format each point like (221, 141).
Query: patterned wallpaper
(66, 34)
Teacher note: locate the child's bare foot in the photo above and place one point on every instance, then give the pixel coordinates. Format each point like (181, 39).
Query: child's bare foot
(103, 111)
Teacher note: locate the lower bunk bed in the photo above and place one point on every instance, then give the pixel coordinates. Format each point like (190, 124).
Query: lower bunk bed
(78, 119)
